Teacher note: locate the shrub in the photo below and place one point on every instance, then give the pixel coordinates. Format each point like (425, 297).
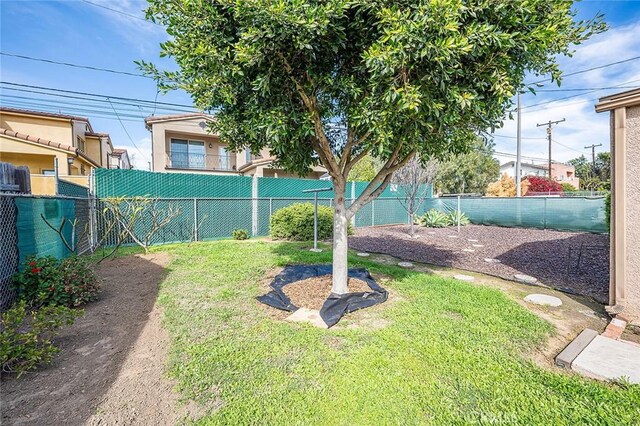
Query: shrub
(567, 187)
(295, 222)
(452, 218)
(434, 219)
(542, 184)
(25, 335)
(240, 234)
(49, 281)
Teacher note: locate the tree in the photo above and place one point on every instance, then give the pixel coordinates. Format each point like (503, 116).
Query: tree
(594, 177)
(506, 187)
(329, 82)
(365, 170)
(413, 181)
(469, 172)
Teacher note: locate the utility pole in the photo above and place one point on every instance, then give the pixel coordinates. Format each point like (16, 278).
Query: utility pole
(518, 152)
(593, 155)
(549, 131)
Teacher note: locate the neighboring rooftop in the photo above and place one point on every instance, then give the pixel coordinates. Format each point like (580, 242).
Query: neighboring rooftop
(619, 100)
(177, 117)
(46, 142)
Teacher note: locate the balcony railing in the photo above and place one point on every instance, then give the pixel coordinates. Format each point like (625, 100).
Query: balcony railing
(189, 161)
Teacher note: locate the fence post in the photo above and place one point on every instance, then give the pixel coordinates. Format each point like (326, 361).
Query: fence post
(458, 214)
(545, 213)
(55, 173)
(195, 219)
(254, 206)
(353, 198)
(373, 213)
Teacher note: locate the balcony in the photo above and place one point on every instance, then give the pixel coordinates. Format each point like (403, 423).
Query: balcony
(191, 161)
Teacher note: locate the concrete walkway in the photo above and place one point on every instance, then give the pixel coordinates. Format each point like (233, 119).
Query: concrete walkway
(609, 359)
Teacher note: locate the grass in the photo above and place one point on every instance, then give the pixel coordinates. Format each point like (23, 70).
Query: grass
(450, 353)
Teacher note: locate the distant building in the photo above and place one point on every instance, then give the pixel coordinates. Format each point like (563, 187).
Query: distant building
(563, 173)
(119, 159)
(36, 139)
(182, 143)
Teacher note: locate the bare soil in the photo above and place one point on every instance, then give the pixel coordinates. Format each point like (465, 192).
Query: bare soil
(313, 292)
(111, 367)
(575, 263)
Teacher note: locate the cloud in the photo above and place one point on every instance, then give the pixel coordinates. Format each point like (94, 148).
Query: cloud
(141, 155)
(583, 126)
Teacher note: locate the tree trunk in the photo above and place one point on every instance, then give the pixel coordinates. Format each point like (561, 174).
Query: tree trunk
(340, 242)
(412, 219)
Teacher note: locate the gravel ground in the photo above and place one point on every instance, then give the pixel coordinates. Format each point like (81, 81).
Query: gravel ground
(550, 256)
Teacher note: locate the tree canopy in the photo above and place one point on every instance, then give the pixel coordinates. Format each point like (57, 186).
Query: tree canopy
(470, 172)
(594, 176)
(329, 82)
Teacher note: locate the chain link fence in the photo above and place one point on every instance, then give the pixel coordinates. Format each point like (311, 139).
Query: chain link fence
(41, 226)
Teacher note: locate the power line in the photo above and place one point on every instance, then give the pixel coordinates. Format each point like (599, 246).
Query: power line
(514, 137)
(585, 89)
(68, 64)
(617, 86)
(96, 95)
(568, 147)
(588, 69)
(127, 132)
(121, 12)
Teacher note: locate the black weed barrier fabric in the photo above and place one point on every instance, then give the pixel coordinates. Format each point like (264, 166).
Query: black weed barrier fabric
(336, 305)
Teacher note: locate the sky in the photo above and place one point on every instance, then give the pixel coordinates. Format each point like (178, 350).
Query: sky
(112, 34)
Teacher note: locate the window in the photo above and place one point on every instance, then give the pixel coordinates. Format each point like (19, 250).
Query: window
(80, 143)
(187, 154)
(48, 172)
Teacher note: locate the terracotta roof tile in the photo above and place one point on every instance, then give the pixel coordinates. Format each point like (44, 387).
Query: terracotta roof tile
(44, 114)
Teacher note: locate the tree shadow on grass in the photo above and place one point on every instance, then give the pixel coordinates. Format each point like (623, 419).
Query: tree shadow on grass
(93, 349)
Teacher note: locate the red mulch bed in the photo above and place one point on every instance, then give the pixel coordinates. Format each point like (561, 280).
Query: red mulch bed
(550, 256)
(313, 292)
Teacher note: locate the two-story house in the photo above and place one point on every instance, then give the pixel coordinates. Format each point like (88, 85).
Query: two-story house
(560, 172)
(183, 143)
(39, 140)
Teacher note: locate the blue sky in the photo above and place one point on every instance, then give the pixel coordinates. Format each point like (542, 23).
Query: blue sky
(82, 33)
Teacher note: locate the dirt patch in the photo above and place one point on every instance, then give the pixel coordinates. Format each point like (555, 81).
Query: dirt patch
(111, 367)
(575, 263)
(313, 292)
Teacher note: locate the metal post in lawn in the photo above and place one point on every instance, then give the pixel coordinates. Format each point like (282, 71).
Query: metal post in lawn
(315, 216)
(195, 219)
(458, 213)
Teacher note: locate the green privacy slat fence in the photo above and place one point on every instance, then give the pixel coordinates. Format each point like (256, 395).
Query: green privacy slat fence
(563, 214)
(34, 236)
(131, 183)
(70, 189)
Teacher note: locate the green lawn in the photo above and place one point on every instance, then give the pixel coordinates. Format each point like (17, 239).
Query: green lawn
(450, 353)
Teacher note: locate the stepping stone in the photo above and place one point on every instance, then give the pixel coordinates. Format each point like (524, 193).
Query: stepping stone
(609, 359)
(573, 349)
(543, 300)
(478, 245)
(405, 264)
(453, 236)
(468, 250)
(315, 250)
(488, 260)
(526, 279)
(363, 254)
(309, 316)
(463, 277)
(472, 241)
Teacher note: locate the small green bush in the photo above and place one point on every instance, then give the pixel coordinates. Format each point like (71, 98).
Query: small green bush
(295, 222)
(50, 281)
(26, 335)
(567, 187)
(434, 219)
(452, 218)
(240, 234)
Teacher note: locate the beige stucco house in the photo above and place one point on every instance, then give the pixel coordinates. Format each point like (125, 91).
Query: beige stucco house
(624, 286)
(37, 139)
(183, 143)
(119, 159)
